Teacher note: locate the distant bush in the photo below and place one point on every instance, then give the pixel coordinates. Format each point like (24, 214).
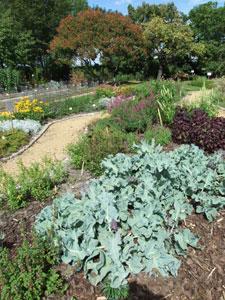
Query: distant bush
(72, 106)
(11, 141)
(196, 127)
(9, 79)
(161, 135)
(105, 91)
(78, 77)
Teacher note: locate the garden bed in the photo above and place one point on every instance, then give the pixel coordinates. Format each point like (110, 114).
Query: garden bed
(201, 275)
(105, 233)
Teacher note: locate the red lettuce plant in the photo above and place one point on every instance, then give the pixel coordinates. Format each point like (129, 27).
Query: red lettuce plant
(198, 128)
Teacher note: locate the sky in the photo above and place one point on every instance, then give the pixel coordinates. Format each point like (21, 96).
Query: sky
(121, 5)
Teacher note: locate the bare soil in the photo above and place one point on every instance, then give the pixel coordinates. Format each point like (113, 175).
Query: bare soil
(201, 276)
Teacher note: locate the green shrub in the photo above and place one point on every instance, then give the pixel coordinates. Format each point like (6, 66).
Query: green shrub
(30, 274)
(11, 141)
(101, 141)
(154, 102)
(161, 135)
(35, 182)
(71, 106)
(135, 115)
(132, 218)
(102, 92)
(9, 79)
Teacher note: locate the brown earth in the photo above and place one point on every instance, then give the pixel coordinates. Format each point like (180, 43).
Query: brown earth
(201, 276)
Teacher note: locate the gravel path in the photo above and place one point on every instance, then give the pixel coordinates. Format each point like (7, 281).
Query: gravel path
(196, 96)
(54, 141)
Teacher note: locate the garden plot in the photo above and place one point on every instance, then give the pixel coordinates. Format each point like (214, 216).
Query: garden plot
(125, 221)
(54, 141)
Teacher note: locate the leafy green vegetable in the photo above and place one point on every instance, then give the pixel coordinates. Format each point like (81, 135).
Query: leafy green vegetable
(129, 219)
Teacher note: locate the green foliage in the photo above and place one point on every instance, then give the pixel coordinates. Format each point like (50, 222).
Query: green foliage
(104, 92)
(170, 41)
(9, 79)
(135, 115)
(71, 106)
(103, 139)
(154, 101)
(161, 135)
(16, 47)
(78, 6)
(206, 20)
(208, 103)
(129, 220)
(167, 105)
(35, 182)
(145, 12)
(11, 141)
(115, 294)
(30, 274)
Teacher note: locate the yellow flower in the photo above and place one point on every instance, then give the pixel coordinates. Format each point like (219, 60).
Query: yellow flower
(6, 114)
(26, 105)
(38, 109)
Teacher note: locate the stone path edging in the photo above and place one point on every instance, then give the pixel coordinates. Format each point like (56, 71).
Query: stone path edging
(43, 130)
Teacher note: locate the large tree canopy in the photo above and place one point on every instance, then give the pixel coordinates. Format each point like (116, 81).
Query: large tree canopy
(208, 23)
(26, 29)
(146, 12)
(15, 45)
(110, 38)
(169, 41)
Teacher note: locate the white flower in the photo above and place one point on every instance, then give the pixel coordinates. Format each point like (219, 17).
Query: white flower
(3, 137)
(93, 105)
(28, 126)
(70, 108)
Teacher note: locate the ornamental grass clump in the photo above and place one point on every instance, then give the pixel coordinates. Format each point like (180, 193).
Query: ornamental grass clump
(129, 220)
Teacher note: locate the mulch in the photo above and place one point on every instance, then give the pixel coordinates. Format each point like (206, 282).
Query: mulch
(201, 276)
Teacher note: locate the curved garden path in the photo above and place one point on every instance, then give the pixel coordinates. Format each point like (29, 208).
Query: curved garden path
(196, 96)
(53, 142)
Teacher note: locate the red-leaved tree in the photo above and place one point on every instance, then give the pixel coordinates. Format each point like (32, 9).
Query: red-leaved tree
(109, 39)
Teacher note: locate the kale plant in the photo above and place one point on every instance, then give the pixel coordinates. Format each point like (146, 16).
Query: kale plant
(128, 221)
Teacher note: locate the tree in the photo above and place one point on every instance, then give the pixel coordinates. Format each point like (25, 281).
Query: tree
(169, 42)
(207, 21)
(146, 12)
(78, 6)
(95, 37)
(15, 45)
(34, 24)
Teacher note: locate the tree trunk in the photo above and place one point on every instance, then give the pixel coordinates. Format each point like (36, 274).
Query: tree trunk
(160, 72)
